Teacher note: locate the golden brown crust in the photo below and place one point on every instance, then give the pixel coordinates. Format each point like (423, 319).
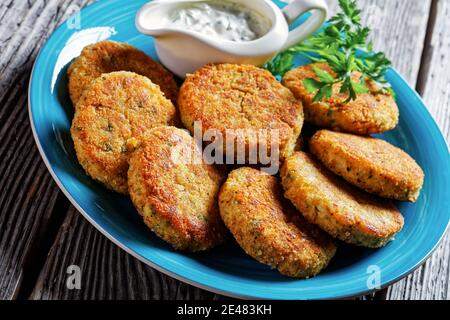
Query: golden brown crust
(109, 56)
(335, 206)
(269, 228)
(177, 197)
(230, 96)
(369, 163)
(111, 115)
(371, 112)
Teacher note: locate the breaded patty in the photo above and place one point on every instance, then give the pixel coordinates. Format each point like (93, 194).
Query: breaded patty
(230, 96)
(371, 112)
(369, 163)
(109, 56)
(268, 227)
(337, 207)
(175, 192)
(111, 115)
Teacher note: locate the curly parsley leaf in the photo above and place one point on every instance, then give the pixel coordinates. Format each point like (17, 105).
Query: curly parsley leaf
(312, 85)
(344, 46)
(323, 76)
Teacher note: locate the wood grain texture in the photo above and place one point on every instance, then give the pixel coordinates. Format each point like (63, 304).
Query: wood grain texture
(432, 280)
(107, 272)
(28, 194)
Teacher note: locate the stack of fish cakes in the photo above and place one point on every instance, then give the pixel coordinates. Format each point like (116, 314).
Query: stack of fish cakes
(341, 184)
(122, 118)
(127, 108)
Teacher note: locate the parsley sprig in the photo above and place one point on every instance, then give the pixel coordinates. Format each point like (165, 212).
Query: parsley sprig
(343, 45)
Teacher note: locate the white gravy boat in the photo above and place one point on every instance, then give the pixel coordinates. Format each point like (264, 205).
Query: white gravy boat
(183, 51)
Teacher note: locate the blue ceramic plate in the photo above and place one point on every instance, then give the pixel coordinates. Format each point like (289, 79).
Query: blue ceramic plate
(227, 270)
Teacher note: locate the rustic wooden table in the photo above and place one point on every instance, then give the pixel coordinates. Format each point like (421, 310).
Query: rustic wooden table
(41, 234)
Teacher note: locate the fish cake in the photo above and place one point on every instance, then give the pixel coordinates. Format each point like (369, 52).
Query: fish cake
(109, 56)
(268, 227)
(241, 97)
(175, 191)
(111, 115)
(343, 211)
(371, 164)
(371, 112)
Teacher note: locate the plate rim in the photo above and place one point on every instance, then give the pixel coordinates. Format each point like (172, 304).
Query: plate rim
(175, 275)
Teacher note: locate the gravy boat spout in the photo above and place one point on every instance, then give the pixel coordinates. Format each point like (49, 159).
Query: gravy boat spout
(183, 50)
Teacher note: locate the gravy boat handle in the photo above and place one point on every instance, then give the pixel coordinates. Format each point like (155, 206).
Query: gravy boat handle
(292, 11)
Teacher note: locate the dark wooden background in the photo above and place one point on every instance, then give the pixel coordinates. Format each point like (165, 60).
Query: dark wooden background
(41, 234)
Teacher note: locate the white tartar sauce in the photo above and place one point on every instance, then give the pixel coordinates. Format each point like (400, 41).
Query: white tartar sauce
(225, 19)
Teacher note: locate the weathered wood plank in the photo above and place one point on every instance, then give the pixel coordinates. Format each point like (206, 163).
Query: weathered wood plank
(107, 272)
(28, 194)
(398, 28)
(432, 280)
